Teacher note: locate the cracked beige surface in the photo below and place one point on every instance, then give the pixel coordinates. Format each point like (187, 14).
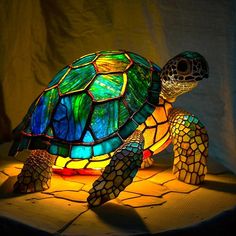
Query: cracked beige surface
(153, 203)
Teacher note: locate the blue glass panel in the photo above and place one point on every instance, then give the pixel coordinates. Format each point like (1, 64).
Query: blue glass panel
(70, 116)
(43, 111)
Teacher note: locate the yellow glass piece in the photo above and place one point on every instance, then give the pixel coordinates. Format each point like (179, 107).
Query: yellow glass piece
(181, 127)
(112, 63)
(150, 121)
(124, 83)
(197, 156)
(154, 148)
(168, 106)
(191, 167)
(186, 130)
(161, 131)
(98, 165)
(201, 170)
(198, 140)
(194, 146)
(159, 114)
(201, 147)
(186, 138)
(196, 167)
(188, 177)
(185, 145)
(182, 174)
(79, 164)
(185, 166)
(61, 161)
(149, 137)
(183, 158)
(141, 127)
(194, 178)
(100, 158)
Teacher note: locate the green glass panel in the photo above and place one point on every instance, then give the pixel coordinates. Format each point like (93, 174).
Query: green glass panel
(139, 59)
(80, 151)
(107, 146)
(58, 76)
(127, 129)
(105, 119)
(139, 80)
(70, 116)
(107, 86)
(77, 79)
(84, 60)
(50, 132)
(109, 52)
(63, 151)
(123, 113)
(112, 63)
(43, 111)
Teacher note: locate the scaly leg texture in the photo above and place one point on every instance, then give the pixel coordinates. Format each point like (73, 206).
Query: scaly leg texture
(36, 173)
(120, 172)
(190, 142)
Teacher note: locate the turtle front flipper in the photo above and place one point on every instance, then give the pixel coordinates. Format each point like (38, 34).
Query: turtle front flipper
(36, 173)
(120, 172)
(190, 142)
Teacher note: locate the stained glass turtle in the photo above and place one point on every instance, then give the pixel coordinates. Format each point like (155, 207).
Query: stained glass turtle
(113, 109)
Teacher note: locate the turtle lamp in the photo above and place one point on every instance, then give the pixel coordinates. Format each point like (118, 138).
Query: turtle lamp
(112, 111)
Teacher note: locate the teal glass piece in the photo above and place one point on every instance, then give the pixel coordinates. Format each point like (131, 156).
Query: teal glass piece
(53, 149)
(60, 149)
(107, 146)
(70, 116)
(143, 113)
(81, 152)
(77, 79)
(58, 76)
(139, 80)
(139, 59)
(84, 60)
(107, 86)
(43, 111)
(127, 129)
(105, 119)
(123, 113)
(156, 67)
(88, 138)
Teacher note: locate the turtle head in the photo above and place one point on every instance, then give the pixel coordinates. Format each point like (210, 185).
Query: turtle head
(182, 73)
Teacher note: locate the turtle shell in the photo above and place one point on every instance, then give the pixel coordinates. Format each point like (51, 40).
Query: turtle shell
(91, 106)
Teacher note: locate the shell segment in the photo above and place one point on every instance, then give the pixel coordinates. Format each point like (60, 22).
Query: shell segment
(90, 107)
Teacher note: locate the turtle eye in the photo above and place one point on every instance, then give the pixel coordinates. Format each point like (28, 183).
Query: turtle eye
(183, 67)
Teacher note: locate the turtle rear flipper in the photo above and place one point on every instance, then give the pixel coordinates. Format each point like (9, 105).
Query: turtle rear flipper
(120, 172)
